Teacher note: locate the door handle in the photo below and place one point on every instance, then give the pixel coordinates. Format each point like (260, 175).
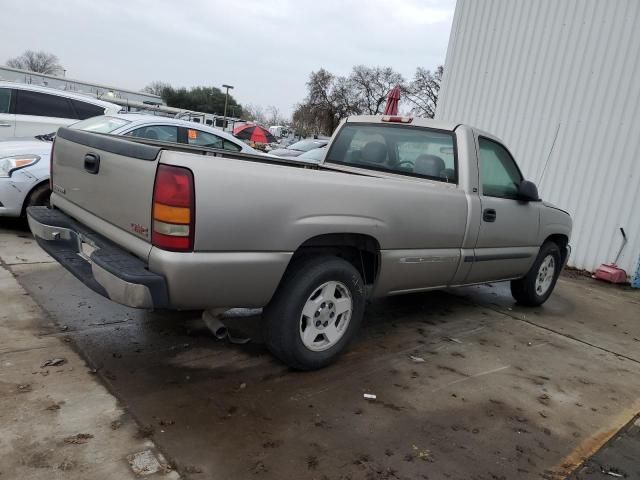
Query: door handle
(5, 125)
(92, 163)
(489, 215)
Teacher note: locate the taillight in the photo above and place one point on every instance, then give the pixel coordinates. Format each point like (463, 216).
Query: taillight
(396, 118)
(173, 209)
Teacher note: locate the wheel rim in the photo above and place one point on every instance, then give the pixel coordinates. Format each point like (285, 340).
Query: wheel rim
(546, 272)
(325, 316)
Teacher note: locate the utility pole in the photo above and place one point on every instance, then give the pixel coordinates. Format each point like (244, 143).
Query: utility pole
(226, 101)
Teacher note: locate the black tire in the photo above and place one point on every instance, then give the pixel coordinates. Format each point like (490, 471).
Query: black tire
(282, 317)
(524, 289)
(39, 196)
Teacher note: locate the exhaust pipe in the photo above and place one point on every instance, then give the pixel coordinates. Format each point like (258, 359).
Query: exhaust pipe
(211, 319)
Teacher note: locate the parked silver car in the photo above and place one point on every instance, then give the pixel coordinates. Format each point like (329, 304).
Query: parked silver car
(299, 148)
(24, 163)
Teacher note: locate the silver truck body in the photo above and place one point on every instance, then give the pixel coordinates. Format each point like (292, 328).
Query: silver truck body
(252, 215)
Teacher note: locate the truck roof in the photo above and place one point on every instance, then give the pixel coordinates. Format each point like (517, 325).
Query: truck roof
(416, 122)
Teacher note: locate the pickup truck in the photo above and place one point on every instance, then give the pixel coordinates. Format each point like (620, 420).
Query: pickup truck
(398, 205)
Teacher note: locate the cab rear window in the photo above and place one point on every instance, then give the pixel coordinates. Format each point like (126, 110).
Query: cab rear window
(413, 151)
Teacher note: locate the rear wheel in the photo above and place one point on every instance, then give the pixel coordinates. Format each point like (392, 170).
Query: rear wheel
(536, 287)
(315, 313)
(39, 196)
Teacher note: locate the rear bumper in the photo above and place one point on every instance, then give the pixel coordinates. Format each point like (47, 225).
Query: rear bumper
(97, 262)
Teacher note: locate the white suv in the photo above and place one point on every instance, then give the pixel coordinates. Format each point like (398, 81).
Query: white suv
(29, 110)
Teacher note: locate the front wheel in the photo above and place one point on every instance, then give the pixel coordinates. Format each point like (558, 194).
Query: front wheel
(535, 288)
(315, 313)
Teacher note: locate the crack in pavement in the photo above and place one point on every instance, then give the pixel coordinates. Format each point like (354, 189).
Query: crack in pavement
(565, 335)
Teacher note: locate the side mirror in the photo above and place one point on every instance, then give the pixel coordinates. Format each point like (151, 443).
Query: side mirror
(528, 192)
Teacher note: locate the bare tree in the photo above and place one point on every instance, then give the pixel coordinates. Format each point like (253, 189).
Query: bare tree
(329, 100)
(372, 85)
(156, 88)
(39, 62)
(422, 92)
(274, 117)
(365, 90)
(254, 113)
(317, 114)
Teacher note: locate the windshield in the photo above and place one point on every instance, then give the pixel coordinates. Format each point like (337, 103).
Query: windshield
(101, 124)
(306, 145)
(315, 155)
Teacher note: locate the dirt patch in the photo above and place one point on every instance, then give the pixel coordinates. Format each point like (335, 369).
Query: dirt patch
(78, 439)
(573, 273)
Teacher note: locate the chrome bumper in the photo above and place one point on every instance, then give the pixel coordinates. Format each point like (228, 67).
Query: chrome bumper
(98, 263)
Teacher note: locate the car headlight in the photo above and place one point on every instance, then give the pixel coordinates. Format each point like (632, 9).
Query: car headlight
(15, 162)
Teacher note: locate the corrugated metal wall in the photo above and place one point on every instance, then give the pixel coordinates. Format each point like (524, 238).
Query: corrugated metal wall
(545, 71)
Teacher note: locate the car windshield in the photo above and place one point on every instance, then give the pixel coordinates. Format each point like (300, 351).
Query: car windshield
(306, 145)
(101, 124)
(315, 155)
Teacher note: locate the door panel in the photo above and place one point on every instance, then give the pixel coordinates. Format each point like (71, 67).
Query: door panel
(7, 125)
(506, 245)
(38, 113)
(30, 125)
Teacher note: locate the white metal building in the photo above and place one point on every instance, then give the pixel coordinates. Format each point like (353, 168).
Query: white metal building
(559, 82)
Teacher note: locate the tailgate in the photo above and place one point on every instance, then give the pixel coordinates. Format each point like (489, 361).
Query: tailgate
(107, 177)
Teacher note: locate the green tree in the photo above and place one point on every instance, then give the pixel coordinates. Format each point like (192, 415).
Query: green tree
(200, 99)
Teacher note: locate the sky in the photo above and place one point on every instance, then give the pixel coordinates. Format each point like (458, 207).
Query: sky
(265, 49)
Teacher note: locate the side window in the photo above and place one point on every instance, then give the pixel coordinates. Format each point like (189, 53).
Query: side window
(86, 110)
(164, 133)
(499, 174)
(43, 105)
(5, 100)
(203, 139)
(232, 147)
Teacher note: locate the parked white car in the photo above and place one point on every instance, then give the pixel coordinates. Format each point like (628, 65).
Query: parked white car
(29, 110)
(24, 163)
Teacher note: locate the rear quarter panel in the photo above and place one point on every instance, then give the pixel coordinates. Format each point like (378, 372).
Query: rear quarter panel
(247, 206)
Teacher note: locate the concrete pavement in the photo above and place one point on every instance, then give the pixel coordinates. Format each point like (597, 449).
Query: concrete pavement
(57, 421)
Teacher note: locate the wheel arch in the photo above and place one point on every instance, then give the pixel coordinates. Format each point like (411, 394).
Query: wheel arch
(562, 241)
(41, 182)
(361, 250)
